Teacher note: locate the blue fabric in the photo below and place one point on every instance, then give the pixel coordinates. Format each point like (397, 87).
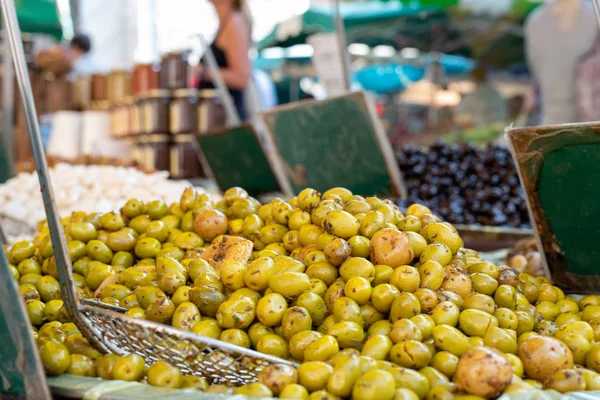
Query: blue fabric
(389, 77)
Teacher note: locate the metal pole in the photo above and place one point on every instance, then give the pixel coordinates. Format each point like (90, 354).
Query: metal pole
(8, 102)
(57, 235)
(596, 4)
(343, 45)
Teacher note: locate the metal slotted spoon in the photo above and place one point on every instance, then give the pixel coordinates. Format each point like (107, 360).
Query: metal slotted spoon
(103, 325)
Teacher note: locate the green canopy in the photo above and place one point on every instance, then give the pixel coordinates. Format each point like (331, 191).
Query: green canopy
(39, 16)
(381, 18)
(358, 19)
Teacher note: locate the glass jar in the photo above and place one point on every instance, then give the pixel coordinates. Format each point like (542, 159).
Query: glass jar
(82, 92)
(119, 82)
(211, 113)
(99, 88)
(184, 111)
(138, 152)
(185, 163)
(144, 78)
(136, 115)
(155, 117)
(174, 70)
(157, 152)
(121, 118)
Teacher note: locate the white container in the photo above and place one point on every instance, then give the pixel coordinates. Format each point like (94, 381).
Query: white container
(95, 129)
(65, 138)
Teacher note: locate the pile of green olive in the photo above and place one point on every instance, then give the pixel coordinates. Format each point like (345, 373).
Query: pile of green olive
(372, 304)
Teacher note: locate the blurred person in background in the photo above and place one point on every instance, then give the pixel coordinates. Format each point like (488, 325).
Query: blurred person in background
(484, 106)
(230, 47)
(80, 48)
(558, 36)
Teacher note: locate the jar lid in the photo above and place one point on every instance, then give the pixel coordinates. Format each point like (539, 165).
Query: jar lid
(176, 53)
(118, 72)
(96, 76)
(156, 93)
(143, 65)
(159, 138)
(186, 92)
(185, 138)
(208, 93)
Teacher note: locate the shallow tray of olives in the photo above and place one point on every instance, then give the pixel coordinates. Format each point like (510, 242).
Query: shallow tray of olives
(367, 301)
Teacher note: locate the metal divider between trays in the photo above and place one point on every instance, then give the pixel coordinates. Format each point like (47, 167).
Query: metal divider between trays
(106, 329)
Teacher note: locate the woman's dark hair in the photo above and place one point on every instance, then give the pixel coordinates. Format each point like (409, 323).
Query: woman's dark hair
(82, 42)
(238, 4)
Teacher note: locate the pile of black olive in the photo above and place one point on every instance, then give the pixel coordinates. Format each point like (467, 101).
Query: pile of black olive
(464, 184)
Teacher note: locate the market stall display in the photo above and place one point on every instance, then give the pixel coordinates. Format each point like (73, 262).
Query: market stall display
(371, 303)
(465, 184)
(95, 188)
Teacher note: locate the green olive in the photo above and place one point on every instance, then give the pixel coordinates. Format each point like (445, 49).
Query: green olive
(410, 354)
(315, 305)
(432, 274)
(377, 347)
(274, 345)
(133, 208)
(35, 311)
(476, 322)
(259, 272)
(483, 283)
(99, 251)
(356, 266)
(404, 329)
(501, 339)
(406, 378)
(121, 241)
(344, 376)
(29, 266)
(371, 223)
(308, 199)
(111, 222)
(341, 224)
(358, 289)
(55, 357)
(129, 368)
(507, 319)
(236, 313)
(442, 233)
(450, 339)
(438, 252)
(323, 271)
(160, 310)
(294, 320)
(428, 299)
(347, 333)
(321, 349)
(314, 375)
(480, 302)
(272, 233)
(346, 309)
(147, 248)
(290, 284)
(445, 362)
(140, 223)
(359, 246)
(406, 305)
(83, 231)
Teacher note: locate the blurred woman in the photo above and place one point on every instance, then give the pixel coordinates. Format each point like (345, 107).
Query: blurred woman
(230, 47)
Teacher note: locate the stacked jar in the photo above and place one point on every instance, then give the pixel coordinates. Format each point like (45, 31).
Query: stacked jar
(164, 115)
